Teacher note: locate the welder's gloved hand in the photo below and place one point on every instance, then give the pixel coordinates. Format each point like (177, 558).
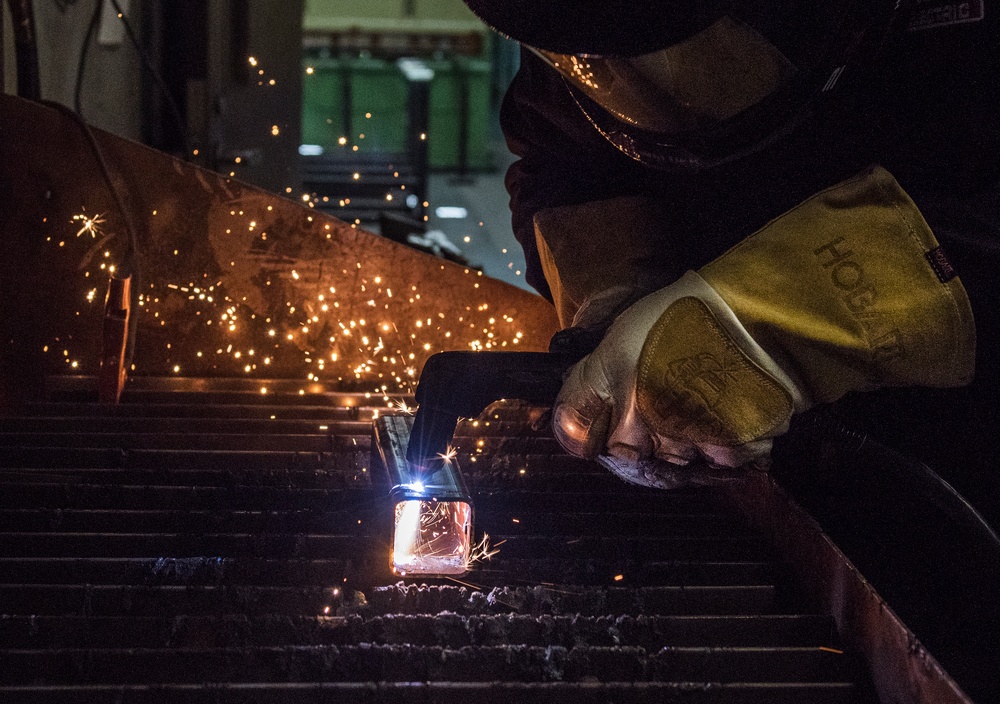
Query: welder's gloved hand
(849, 291)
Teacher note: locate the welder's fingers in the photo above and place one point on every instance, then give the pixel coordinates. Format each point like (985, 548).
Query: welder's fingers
(630, 439)
(659, 474)
(757, 452)
(636, 456)
(652, 472)
(673, 450)
(581, 417)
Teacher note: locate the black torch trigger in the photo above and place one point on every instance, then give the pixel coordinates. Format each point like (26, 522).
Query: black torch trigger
(457, 385)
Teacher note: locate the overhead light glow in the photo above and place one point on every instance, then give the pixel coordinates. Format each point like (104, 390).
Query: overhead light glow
(451, 212)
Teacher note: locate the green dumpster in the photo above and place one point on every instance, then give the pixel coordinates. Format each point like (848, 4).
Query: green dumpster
(350, 97)
(322, 96)
(460, 93)
(379, 97)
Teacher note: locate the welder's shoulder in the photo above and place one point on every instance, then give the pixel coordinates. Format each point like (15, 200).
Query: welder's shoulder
(941, 87)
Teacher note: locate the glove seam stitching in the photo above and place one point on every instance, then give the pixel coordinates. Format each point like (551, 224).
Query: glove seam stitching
(957, 336)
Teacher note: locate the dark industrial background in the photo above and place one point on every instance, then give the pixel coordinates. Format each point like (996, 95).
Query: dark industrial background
(202, 541)
(326, 74)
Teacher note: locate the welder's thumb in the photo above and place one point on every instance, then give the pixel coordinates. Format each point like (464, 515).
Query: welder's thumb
(595, 412)
(602, 407)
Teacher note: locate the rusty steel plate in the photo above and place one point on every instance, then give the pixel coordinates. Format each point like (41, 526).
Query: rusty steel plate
(234, 281)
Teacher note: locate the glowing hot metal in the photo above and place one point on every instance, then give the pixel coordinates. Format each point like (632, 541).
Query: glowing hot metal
(433, 525)
(432, 509)
(432, 537)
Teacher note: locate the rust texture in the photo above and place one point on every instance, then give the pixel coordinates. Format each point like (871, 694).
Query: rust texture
(260, 285)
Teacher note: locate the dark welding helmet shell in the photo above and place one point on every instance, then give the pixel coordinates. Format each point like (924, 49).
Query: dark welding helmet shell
(596, 26)
(688, 84)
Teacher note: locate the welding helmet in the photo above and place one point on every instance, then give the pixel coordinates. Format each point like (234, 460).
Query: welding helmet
(688, 84)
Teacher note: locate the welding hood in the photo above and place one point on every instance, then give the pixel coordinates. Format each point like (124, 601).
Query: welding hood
(687, 85)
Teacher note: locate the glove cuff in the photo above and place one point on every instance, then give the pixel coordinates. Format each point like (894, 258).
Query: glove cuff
(850, 292)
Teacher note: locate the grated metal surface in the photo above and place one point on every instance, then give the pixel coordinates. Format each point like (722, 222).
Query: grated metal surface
(221, 545)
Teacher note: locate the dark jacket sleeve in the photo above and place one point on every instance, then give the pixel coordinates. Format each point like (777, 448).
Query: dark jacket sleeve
(939, 134)
(561, 161)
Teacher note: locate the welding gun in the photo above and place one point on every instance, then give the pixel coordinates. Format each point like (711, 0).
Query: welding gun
(430, 491)
(433, 508)
(457, 385)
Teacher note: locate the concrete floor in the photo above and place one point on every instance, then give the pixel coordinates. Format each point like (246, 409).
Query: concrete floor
(484, 234)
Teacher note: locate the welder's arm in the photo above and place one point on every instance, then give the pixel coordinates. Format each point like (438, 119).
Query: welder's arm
(562, 162)
(846, 292)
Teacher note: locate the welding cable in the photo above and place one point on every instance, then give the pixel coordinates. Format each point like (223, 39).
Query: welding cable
(147, 64)
(130, 258)
(175, 111)
(908, 471)
(80, 67)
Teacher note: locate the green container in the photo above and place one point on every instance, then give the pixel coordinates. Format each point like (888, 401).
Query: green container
(322, 94)
(446, 114)
(377, 100)
(378, 95)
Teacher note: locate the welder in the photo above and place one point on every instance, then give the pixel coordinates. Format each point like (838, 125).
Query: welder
(761, 207)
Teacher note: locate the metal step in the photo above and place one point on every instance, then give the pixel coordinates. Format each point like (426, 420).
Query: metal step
(303, 545)
(134, 425)
(416, 663)
(153, 600)
(99, 489)
(236, 571)
(206, 542)
(305, 521)
(330, 439)
(238, 631)
(192, 412)
(589, 692)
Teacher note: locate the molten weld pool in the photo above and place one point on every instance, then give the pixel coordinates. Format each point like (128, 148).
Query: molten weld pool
(432, 537)
(432, 507)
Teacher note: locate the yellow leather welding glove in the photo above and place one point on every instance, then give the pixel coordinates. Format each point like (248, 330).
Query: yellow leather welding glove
(849, 291)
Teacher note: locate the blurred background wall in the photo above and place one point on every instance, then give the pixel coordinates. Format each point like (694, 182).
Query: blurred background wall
(383, 113)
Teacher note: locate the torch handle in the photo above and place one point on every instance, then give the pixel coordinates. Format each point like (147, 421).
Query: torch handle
(462, 384)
